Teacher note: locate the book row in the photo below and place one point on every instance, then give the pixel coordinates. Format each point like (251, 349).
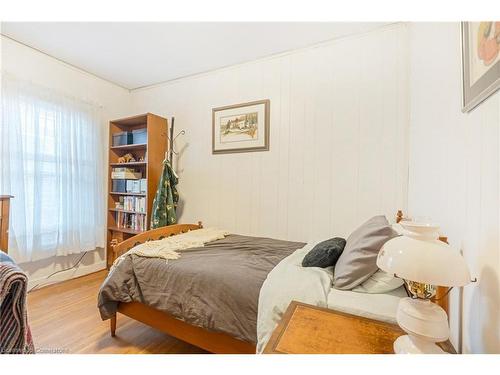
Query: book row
(131, 221)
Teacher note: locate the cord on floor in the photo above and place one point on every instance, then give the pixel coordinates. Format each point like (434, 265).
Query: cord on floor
(55, 273)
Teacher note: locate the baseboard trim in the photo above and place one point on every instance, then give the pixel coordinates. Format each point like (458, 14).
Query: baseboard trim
(67, 275)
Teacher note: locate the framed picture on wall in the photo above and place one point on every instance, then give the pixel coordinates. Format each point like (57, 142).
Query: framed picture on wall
(241, 127)
(480, 62)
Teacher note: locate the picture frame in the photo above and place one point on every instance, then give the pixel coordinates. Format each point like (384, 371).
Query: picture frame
(480, 43)
(241, 127)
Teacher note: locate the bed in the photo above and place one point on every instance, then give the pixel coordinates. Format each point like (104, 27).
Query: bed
(228, 302)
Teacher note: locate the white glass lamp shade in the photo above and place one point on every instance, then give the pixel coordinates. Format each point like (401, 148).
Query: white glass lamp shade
(425, 261)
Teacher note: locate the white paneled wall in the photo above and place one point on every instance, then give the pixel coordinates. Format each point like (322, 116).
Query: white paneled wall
(338, 146)
(342, 137)
(454, 177)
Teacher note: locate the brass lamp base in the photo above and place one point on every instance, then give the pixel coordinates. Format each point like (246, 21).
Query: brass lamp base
(421, 290)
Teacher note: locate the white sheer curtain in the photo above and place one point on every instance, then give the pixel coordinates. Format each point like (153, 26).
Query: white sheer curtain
(51, 155)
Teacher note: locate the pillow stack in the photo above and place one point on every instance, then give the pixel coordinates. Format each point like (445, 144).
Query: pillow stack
(358, 260)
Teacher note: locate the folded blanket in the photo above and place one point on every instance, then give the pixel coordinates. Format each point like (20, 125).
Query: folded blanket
(15, 335)
(167, 248)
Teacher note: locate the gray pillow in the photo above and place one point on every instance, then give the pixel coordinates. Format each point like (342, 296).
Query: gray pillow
(359, 258)
(324, 254)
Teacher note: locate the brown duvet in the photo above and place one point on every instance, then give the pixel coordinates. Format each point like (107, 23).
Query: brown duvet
(215, 287)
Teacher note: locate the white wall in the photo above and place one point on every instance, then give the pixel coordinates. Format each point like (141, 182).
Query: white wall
(31, 65)
(339, 148)
(338, 145)
(454, 176)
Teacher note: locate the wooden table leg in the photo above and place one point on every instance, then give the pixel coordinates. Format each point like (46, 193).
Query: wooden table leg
(113, 325)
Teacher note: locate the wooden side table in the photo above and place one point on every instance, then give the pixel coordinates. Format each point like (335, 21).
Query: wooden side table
(4, 222)
(307, 329)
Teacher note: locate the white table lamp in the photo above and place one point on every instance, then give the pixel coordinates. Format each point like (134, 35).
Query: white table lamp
(422, 261)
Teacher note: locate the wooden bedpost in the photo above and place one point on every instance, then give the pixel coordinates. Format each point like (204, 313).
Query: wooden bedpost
(112, 245)
(112, 325)
(399, 216)
(442, 298)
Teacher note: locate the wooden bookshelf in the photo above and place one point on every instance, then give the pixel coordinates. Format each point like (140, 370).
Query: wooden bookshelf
(138, 146)
(127, 211)
(130, 164)
(131, 194)
(153, 152)
(125, 230)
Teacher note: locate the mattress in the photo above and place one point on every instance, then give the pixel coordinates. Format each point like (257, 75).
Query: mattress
(381, 307)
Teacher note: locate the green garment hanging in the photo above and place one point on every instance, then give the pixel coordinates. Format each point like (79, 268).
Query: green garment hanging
(166, 198)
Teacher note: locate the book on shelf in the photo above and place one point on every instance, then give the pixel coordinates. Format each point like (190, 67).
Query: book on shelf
(127, 220)
(137, 204)
(136, 186)
(133, 186)
(125, 174)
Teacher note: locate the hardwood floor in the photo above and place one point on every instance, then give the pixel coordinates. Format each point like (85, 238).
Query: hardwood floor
(64, 318)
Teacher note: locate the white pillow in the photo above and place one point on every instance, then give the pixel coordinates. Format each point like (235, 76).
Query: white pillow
(379, 282)
(398, 228)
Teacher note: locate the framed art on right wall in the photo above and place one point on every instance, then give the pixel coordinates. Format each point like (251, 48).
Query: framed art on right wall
(480, 62)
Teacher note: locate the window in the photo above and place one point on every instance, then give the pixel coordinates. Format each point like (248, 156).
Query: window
(51, 150)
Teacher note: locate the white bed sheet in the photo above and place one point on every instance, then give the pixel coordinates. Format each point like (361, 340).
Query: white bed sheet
(374, 306)
(290, 281)
(286, 282)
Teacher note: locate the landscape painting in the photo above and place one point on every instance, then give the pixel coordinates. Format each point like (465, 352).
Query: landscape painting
(480, 62)
(241, 127)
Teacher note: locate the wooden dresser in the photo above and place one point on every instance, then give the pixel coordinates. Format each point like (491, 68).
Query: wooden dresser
(4, 221)
(307, 329)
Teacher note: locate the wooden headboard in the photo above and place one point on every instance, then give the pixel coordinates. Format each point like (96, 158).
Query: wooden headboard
(151, 235)
(441, 298)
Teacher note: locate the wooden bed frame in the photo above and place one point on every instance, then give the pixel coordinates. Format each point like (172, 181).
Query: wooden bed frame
(214, 342)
